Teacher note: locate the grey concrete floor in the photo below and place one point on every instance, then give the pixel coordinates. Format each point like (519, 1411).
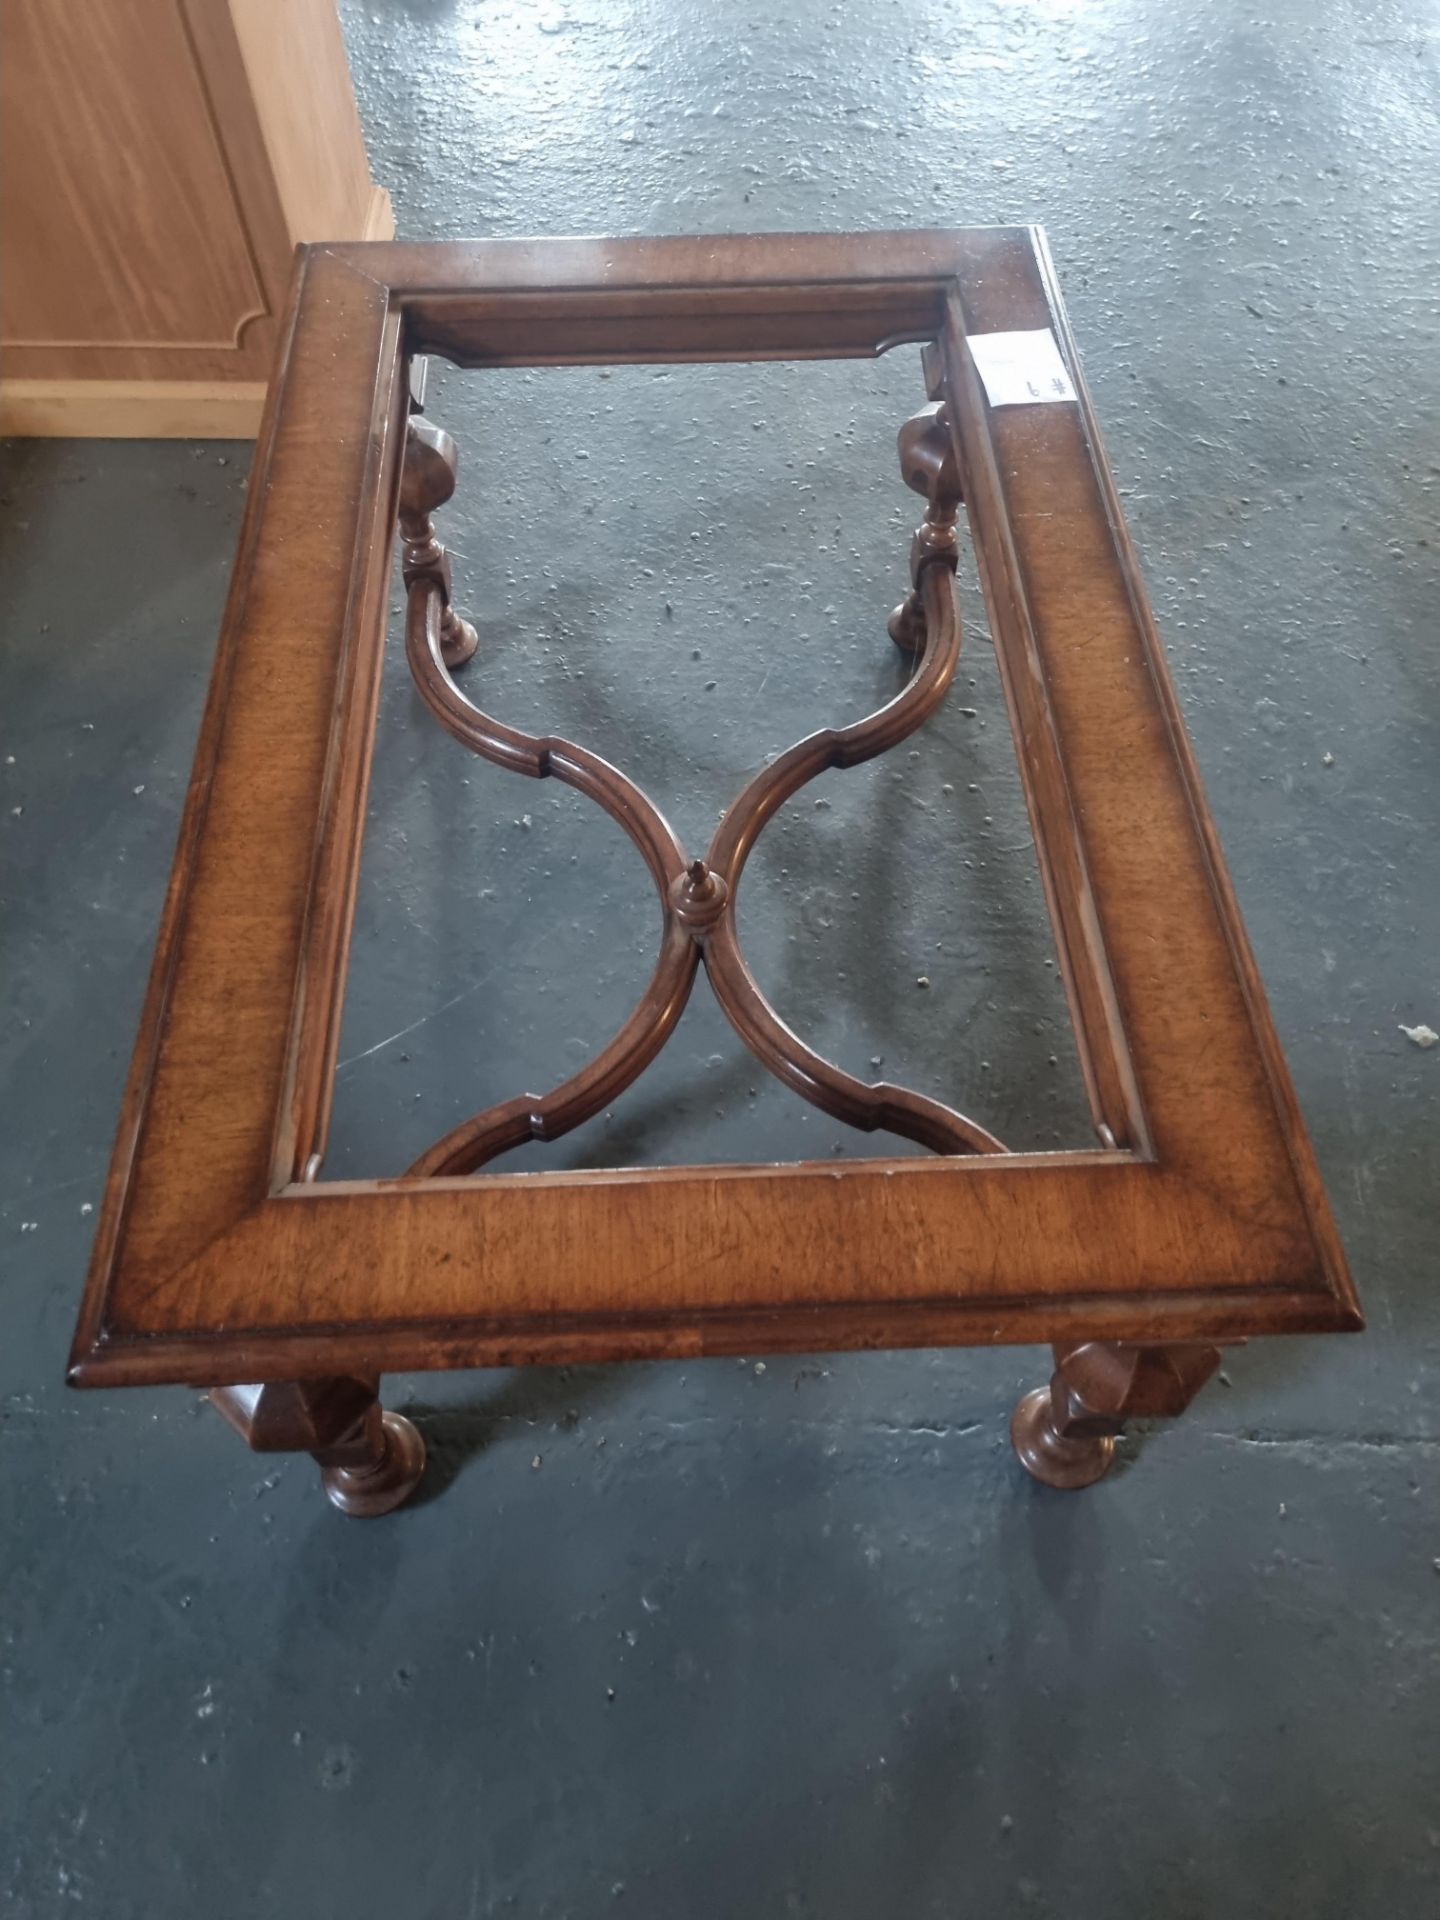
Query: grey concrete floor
(793, 1638)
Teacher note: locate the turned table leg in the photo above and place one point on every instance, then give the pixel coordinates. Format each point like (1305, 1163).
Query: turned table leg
(927, 465)
(370, 1460)
(1065, 1433)
(427, 480)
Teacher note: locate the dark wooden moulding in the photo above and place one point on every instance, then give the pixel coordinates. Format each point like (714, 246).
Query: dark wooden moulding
(221, 1261)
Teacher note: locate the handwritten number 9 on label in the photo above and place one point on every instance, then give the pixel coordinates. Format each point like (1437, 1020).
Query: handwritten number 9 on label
(1021, 369)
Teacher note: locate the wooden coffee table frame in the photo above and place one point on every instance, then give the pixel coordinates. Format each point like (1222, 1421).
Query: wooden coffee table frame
(221, 1260)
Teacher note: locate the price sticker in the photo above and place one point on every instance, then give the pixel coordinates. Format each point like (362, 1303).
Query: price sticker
(1021, 369)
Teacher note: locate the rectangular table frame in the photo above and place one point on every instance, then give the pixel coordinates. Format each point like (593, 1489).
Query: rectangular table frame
(216, 1262)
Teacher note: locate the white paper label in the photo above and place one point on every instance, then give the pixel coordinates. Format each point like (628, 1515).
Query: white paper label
(1021, 369)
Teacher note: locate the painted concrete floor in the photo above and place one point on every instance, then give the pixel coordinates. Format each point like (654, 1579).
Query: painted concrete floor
(794, 1638)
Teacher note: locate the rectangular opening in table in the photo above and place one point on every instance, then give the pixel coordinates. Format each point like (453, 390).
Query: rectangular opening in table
(687, 569)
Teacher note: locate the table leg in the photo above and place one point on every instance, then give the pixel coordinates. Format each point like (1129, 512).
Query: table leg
(370, 1460)
(927, 465)
(427, 480)
(1065, 1433)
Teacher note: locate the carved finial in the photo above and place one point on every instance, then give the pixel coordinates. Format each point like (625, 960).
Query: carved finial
(699, 897)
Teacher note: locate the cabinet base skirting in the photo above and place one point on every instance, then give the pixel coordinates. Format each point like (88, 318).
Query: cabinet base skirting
(131, 409)
(379, 216)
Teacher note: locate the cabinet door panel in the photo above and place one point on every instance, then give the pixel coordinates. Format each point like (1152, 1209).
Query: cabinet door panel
(122, 221)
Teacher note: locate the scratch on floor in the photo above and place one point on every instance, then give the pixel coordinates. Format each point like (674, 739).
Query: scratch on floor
(1336, 1442)
(415, 1025)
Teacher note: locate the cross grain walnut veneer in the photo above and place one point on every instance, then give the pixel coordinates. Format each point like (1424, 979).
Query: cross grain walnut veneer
(221, 1261)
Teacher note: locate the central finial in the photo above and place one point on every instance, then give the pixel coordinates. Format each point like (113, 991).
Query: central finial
(699, 897)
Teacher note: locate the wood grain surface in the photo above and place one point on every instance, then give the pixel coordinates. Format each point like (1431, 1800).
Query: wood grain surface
(159, 161)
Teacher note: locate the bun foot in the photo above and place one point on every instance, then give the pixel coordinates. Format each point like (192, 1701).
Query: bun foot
(1065, 1433)
(458, 640)
(906, 626)
(370, 1489)
(369, 1460)
(1052, 1457)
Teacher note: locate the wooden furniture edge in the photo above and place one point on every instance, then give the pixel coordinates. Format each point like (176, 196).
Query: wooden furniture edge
(1289, 1118)
(416, 270)
(118, 1184)
(119, 1194)
(947, 1257)
(598, 1339)
(97, 1359)
(317, 1010)
(1078, 934)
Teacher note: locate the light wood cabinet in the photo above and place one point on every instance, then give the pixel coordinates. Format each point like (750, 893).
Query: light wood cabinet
(159, 160)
